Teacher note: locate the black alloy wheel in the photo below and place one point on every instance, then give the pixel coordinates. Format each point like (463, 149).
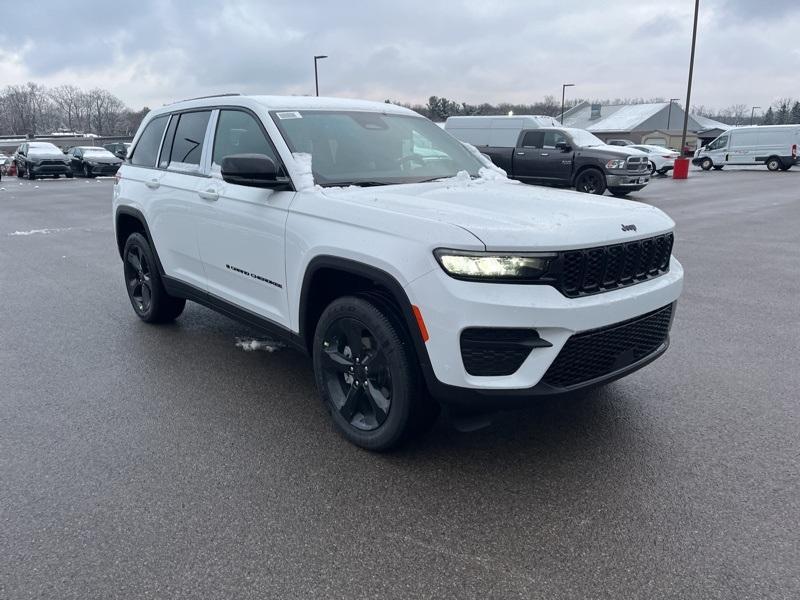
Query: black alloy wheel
(591, 181)
(356, 374)
(139, 278)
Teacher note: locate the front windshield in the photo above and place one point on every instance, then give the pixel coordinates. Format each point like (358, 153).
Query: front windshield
(370, 148)
(42, 148)
(583, 138)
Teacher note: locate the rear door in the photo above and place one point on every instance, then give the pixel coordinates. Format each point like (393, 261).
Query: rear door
(527, 156)
(241, 229)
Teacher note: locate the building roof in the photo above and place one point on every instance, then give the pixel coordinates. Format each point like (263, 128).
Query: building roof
(708, 124)
(626, 118)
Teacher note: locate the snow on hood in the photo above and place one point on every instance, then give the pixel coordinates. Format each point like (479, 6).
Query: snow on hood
(506, 215)
(619, 149)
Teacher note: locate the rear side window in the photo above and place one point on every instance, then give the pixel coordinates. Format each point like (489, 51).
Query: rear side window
(187, 147)
(146, 150)
(533, 139)
(238, 132)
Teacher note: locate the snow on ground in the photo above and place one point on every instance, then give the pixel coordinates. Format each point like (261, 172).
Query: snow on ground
(250, 344)
(44, 231)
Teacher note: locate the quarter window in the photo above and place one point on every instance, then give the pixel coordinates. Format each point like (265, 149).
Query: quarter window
(146, 150)
(238, 132)
(187, 147)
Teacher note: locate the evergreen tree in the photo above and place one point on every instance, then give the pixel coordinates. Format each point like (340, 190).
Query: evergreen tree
(782, 114)
(769, 117)
(794, 117)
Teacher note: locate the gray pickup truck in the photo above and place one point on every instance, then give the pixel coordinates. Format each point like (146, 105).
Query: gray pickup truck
(559, 156)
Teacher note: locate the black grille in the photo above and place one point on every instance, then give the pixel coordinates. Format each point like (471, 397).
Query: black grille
(487, 351)
(592, 354)
(607, 268)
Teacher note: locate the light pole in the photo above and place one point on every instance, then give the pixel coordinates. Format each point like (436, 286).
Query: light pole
(691, 72)
(752, 113)
(669, 114)
(563, 91)
(316, 78)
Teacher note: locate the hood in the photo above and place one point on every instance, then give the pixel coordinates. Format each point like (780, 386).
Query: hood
(106, 160)
(507, 215)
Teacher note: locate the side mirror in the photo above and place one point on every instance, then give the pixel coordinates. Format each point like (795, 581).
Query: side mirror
(563, 146)
(253, 170)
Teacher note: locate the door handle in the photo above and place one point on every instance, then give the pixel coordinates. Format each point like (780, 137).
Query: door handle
(545, 154)
(520, 154)
(208, 195)
(152, 184)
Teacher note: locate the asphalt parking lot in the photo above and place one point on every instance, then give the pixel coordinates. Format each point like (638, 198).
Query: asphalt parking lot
(166, 462)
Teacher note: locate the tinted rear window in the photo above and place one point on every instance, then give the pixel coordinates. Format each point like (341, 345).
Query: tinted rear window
(146, 150)
(187, 148)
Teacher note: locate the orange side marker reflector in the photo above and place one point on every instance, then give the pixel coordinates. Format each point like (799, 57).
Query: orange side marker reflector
(420, 323)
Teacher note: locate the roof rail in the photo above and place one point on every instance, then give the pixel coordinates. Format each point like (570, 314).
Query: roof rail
(204, 97)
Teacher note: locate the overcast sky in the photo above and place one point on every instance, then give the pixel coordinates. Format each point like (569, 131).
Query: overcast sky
(155, 51)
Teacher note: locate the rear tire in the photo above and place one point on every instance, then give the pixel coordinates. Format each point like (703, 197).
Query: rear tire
(706, 164)
(375, 410)
(591, 181)
(149, 299)
(719, 167)
(774, 163)
(786, 167)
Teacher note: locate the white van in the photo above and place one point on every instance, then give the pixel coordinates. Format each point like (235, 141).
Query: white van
(773, 145)
(498, 131)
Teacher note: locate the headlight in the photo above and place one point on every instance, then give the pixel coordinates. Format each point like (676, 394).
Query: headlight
(499, 266)
(617, 163)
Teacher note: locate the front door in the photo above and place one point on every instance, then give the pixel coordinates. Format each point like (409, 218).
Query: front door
(241, 229)
(555, 164)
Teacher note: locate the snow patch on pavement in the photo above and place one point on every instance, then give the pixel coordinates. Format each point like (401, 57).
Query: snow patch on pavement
(250, 344)
(45, 231)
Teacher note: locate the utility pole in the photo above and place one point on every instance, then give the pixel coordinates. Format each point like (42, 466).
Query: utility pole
(563, 91)
(691, 73)
(752, 113)
(669, 114)
(316, 78)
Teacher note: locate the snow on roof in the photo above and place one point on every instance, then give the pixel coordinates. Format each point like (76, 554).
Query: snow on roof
(290, 103)
(707, 123)
(627, 117)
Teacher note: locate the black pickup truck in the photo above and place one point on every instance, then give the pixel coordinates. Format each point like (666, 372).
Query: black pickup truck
(573, 158)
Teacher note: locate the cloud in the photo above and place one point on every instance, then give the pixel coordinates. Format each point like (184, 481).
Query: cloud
(153, 51)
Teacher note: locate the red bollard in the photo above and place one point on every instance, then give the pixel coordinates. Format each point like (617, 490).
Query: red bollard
(681, 168)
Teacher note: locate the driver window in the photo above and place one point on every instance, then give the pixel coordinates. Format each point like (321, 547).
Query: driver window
(239, 133)
(551, 138)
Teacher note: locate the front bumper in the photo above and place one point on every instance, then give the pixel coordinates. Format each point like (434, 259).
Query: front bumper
(102, 169)
(637, 181)
(50, 169)
(450, 306)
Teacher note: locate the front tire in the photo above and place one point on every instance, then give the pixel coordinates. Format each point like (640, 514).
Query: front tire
(29, 173)
(706, 164)
(619, 192)
(365, 371)
(149, 299)
(591, 181)
(653, 169)
(774, 163)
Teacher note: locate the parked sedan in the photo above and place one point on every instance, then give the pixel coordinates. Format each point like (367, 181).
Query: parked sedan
(661, 159)
(118, 149)
(37, 159)
(92, 161)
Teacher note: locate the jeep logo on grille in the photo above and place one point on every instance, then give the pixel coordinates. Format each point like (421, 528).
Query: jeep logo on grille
(630, 227)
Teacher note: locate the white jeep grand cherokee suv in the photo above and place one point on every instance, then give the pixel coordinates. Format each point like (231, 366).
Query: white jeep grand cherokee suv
(412, 271)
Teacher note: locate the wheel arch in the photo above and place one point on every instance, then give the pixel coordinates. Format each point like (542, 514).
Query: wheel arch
(328, 277)
(128, 220)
